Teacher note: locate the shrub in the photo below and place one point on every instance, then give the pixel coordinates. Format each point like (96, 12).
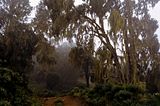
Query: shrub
(116, 95)
(59, 102)
(13, 90)
(5, 103)
(123, 95)
(134, 89)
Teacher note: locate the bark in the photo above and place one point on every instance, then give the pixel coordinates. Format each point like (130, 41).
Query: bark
(132, 64)
(86, 70)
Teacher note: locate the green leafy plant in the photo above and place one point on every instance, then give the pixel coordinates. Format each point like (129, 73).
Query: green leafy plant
(12, 90)
(109, 94)
(59, 102)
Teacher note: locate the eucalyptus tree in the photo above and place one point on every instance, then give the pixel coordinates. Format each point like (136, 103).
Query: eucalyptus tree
(51, 18)
(80, 58)
(138, 27)
(44, 56)
(129, 23)
(122, 27)
(14, 12)
(68, 20)
(17, 41)
(16, 37)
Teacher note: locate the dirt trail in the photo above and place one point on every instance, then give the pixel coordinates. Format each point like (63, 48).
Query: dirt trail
(67, 100)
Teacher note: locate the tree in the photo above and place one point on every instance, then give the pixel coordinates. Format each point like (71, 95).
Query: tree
(137, 28)
(17, 38)
(13, 12)
(68, 74)
(122, 27)
(123, 31)
(82, 60)
(17, 41)
(51, 19)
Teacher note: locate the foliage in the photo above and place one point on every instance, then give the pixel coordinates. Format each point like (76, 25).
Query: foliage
(127, 52)
(59, 78)
(127, 44)
(114, 95)
(12, 90)
(59, 102)
(36, 102)
(17, 44)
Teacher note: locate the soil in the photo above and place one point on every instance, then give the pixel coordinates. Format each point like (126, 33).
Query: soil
(67, 101)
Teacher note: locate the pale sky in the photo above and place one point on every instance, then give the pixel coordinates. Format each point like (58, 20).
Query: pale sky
(155, 12)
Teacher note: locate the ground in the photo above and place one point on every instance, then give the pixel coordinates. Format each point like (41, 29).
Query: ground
(67, 100)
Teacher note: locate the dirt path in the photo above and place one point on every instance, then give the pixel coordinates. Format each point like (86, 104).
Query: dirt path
(67, 100)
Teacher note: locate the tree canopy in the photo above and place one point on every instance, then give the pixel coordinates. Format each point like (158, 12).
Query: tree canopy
(125, 30)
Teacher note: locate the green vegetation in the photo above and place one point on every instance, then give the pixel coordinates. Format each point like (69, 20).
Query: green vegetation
(59, 102)
(116, 95)
(112, 54)
(12, 89)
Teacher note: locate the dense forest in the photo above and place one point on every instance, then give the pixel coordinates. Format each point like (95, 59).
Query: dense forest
(102, 52)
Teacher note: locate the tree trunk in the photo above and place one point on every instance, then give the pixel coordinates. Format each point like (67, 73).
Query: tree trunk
(86, 70)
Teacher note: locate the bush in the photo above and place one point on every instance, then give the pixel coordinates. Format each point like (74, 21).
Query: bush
(59, 102)
(108, 94)
(134, 89)
(13, 90)
(116, 95)
(123, 95)
(36, 102)
(154, 100)
(5, 103)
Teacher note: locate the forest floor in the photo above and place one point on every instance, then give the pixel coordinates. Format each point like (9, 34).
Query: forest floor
(67, 101)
